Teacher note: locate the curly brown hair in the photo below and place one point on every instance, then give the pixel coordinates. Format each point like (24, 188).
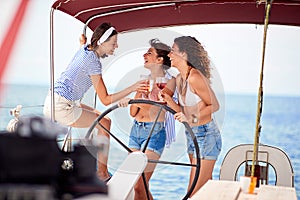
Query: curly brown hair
(197, 56)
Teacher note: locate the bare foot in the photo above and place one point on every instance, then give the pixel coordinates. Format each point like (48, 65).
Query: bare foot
(104, 176)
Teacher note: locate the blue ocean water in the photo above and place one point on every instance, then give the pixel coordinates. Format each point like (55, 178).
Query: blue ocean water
(280, 127)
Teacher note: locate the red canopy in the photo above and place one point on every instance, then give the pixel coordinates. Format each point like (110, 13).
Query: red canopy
(139, 14)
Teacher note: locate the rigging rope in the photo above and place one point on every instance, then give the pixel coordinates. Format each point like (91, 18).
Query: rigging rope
(260, 93)
(31, 106)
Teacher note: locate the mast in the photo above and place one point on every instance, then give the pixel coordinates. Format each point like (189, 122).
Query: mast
(260, 93)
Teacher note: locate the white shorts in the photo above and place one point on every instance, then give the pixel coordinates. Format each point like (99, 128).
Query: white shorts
(66, 112)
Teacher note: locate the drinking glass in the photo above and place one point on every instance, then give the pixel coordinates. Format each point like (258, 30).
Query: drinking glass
(147, 80)
(161, 83)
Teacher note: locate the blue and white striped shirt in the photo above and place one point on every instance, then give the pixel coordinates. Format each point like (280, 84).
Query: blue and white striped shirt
(75, 80)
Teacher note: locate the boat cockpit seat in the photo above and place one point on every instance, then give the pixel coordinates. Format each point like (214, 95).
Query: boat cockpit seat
(267, 156)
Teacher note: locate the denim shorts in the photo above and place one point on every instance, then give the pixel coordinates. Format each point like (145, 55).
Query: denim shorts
(209, 140)
(139, 134)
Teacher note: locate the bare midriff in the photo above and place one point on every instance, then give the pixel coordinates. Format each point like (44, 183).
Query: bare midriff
(148, 113)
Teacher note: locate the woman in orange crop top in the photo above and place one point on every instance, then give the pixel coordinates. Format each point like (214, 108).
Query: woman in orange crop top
(197, 103)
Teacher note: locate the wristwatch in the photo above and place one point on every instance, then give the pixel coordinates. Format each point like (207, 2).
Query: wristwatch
(194, 119)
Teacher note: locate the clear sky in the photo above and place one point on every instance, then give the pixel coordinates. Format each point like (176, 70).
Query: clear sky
(236, 51)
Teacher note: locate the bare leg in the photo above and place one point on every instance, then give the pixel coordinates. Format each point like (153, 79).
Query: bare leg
(86, 119)
(102, 171)
(206, 171)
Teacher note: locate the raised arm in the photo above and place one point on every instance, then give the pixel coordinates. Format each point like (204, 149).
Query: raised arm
(82, 40)
(167, 94)
(106, 98)
(134, 108)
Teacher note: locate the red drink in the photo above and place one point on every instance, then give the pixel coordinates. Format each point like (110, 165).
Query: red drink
(161, 85)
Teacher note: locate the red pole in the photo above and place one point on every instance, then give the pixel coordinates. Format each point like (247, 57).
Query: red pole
(10, 36)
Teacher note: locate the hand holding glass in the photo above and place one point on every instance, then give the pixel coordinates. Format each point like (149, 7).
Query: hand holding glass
(149, 85)
(161, 83)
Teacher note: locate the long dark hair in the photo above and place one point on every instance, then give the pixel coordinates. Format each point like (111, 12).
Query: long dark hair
(197, 56)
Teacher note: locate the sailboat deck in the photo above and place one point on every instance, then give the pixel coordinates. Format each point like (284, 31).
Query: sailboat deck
(230, 190)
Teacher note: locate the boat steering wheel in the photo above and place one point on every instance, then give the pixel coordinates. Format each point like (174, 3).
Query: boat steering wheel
(162, 107)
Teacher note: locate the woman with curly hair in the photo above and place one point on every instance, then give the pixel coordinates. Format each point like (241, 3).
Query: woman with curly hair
(197, 103)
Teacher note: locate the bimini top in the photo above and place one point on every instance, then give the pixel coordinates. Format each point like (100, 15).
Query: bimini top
(140, 14)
